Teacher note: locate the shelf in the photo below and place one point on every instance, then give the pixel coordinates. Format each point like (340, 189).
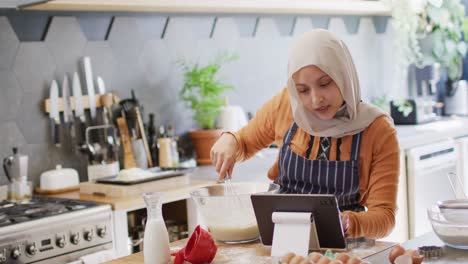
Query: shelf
(296, 7)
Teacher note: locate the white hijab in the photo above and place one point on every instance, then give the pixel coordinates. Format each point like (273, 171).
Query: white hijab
(321, 48)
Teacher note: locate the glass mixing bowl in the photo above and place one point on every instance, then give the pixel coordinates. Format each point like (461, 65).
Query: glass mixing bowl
(230, 218)
(451, 226)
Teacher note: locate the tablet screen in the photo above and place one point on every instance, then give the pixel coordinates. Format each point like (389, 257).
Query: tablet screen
(323, 207)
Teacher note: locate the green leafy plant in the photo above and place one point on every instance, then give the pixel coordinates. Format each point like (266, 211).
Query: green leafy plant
(443, 20)
(203, 91)
(403, 106)
(431, 33)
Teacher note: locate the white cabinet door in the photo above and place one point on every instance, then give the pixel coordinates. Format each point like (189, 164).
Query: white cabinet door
(400, 232)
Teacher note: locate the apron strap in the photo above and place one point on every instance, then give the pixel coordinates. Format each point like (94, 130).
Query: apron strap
(355, 148)
(289, 135)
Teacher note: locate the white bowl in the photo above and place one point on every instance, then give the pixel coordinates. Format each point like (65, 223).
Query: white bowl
(454, 210)
(450, 226)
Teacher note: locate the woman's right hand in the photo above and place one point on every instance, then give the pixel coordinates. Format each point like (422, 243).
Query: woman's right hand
(223, 155)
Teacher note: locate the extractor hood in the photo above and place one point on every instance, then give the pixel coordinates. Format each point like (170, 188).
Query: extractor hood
(17, 4)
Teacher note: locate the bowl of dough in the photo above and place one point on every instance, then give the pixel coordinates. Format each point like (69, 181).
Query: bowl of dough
(227, 211)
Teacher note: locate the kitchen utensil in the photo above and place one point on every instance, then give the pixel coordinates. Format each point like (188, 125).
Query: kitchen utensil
(129, 159)
(104, 151)
(68, 119)
(136, 175)
(77, 96)
(143, 136)
(80, 127)
(101, 86)
(200, 248)
(90, 86)
(107, 102)
(454, 182)
(454, 210)
(60, 178)
(139, 153)
(54, 113)
(15, 166)
(231, 192)
(451, 227)
(230, 222)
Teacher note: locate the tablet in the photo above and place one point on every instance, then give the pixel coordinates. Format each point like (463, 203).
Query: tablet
(324, 208)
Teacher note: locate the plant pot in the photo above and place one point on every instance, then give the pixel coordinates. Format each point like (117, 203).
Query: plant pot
(203, 140)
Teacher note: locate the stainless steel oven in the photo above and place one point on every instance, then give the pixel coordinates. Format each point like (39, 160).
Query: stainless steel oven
(53, 230)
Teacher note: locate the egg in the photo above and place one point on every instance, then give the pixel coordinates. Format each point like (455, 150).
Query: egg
(336, 261)
(396, 251)
(403, 259)
(306, 261)
(343, 257)
(324, 260)
(354, 260)
(314, 256)
(296, 259)
(418, 259)
(286, 258)
(415, 257)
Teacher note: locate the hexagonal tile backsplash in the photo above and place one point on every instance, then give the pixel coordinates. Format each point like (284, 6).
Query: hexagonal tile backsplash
(140, 52)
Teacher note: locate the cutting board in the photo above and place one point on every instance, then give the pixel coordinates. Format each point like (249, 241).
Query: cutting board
(113, 190)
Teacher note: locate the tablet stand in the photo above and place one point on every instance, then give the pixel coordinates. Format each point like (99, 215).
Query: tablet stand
(294, 232)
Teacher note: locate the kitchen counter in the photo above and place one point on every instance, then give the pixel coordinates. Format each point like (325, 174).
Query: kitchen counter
(450, 256)
(415, 135)
(247, 253)
(257, 253)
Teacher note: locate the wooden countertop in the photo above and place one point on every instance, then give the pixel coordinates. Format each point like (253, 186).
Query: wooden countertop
(136, 202)
(248, 253)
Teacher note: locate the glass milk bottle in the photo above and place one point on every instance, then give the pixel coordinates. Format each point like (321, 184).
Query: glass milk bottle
(156, 240)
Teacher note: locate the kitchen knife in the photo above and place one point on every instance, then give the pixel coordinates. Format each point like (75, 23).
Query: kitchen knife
(54, 113)
(77, 96)
(106, 101)
(90, 86)
(79, 109)
(101, 85)
(67, 112)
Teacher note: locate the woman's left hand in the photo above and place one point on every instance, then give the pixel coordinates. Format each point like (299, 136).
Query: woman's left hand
(344, 222)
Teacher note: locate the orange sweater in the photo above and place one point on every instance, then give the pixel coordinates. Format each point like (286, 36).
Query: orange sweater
(378, 161)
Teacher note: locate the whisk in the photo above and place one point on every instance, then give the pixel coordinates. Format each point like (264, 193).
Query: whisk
(231, 193)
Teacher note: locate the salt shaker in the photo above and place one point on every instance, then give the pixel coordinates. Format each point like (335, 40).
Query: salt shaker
(156, 239)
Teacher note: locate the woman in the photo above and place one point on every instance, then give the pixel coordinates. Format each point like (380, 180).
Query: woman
(330, 141)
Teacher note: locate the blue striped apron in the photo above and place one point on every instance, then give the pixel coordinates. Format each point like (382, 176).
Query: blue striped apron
(301, 175)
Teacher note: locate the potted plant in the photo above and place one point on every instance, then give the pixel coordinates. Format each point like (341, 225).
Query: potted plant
(203, 93)
(430, 33)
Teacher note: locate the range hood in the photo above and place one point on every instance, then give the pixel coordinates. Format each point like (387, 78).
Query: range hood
(17, 4)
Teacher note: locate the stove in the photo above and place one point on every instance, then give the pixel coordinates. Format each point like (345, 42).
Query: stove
(53, 230)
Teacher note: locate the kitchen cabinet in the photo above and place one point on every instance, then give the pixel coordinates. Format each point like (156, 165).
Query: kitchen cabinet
(411, 138)
(298, 7)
